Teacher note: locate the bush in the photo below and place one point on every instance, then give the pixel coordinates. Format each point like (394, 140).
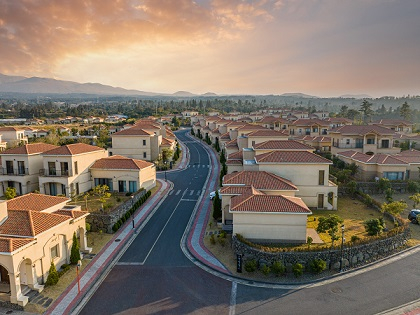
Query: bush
(75, 250)
(212, 239)
(115, 227)
(222, 234)
(52, 278)
(297, 270)
(88, 227)
(413, 187)
(128, 194)
(278, 268)
(222, 241)
(265, 270)
(64, 269)
(354, 238)
(374, 226)
(118, 199)
(250, 265)
(318, 265)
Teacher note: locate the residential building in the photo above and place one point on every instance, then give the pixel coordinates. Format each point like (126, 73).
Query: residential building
(369, 139)
(66, 169)
(397, 125)
(36, 230)
(309, 127)
(13, 136)
(20, 167)
(320, 143)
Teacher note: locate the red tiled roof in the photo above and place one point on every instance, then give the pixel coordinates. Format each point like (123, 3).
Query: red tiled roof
(392, 122)
(225, 136)
(121, 163)
(282, 145)
(251, 127)
(29, 223)
(133, 132)
(232, 144)
(234, 162)
(236, 190)
(74, 214)
(268, 133)
(338, 120)
(268, 203)
(362, 130)
(236, 156)
(32, 148)
(291, 157)
(73, 149)
(10, 244)
(259, 179)
(10, 129)
(36, 202)
(382, 159)
(167, 142)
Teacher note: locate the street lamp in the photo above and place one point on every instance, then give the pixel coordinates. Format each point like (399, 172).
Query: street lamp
(342, 245)
(79, 264)
(165, 170)
(132, 213)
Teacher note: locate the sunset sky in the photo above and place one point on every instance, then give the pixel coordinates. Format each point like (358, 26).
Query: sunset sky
(318, 47)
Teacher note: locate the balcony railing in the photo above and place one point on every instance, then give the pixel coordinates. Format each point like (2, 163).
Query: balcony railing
(14, 171)
(55, 173)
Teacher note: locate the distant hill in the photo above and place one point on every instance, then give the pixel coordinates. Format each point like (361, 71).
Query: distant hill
(35, 85)
(183, 93)
(355, 96)
(299, 95)
(209, 94)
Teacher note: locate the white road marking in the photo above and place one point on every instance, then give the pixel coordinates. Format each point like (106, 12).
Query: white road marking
(171, 192)
(232, 305)
(192, 192)
(129, 263)
(198, 192)
(177, 193)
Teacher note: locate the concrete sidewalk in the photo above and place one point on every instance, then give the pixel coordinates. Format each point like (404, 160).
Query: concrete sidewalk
(88, 277)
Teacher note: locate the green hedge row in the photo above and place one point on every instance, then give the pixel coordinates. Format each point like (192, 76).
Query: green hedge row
(131, 211)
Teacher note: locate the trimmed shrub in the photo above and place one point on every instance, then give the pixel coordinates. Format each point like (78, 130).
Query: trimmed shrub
(75, 250)
(64, 269)
(354, 238)
(88, 227)
(278, 268)
(318, 265)
(374, 226)
(212, 239)
(250, 265)
(297, 270)
(265, 270)
(222, 241)
(53, 277)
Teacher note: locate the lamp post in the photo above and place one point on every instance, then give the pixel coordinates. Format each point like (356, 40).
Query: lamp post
(165, 170)
(79, 264)
(342, 245)
(132, 214)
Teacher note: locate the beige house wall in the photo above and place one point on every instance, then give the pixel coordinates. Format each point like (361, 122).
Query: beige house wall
(234, 168)
(270, 226)
(82, 178)
(132, 147)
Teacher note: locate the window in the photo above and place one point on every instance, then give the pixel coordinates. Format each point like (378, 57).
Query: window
(104, 181)
(122, 186)
(385, 143)
(54, 252)
(21, 167)
(77, 189)
(63, 189)
(64, 168)
(144, 142)
(76, 169)
(9, 167)
(253, 143)
(347, 141)
(132, 186)
(370, 140)
(144, 155)
(394, 175)
(321, 177)
(51, 168)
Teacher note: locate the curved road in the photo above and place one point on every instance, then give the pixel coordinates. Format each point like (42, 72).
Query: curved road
(154, 277)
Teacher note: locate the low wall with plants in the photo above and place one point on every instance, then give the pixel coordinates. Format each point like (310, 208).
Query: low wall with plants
(111, 222)
(354, 254)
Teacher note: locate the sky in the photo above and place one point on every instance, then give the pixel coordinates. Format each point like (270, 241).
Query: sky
(318, 47)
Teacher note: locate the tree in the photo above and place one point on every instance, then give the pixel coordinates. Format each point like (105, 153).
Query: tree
(167, 154)
(405, 111)
(330, 225)
(176, 122)
(352, 114)
(366, 109)
(344, 109)
(374, 226)
(75, 250)
(102, 192)
(388, 194)
(384, 184)
(52, 278)
(10, 193)
(223, 158)
(352, 188)
(217, 206)
(416, 199)
(394, 208)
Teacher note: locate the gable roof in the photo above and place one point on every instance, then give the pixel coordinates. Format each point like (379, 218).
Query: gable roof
(10, 244)
(382, 159)
(121, 163)
(29, 223)
(73, 149)
(32, 148)
(36, 202)
(74, 214)
(10, 129)
(268, 133)
(268, 204)
(310, 122)
(392, 122)
(259, 179)
(133, 131)
(282, 145)
(303, 157)
(362, 130)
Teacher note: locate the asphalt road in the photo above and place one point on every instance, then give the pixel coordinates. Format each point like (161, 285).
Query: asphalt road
(154, 277)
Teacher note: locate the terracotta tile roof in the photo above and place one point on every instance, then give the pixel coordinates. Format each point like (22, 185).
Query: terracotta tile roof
(236, 155)
(392, 122)
(225, 136)
(339, 120)
(272, 120)
(30, 223)
(236, 190)
(312, 138)
(167, 142)
(269, 204)
(282, 145)
(251, 127)
(36, 202)
(10, 129)
(268, 133)
(10, 244)
(74, 214)
(232, 144)
(291, 157)
(32, 148)
(121, 163)
(73, 149)
(215, 131)
(234, 162)
(382, 159)
(310, 122)
(362, 130)
(169, 133)
(259, 179)
(133, 132)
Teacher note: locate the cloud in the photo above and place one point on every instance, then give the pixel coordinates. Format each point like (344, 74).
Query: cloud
(37, 35)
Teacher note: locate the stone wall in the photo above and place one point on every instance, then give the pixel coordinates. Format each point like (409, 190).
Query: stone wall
(353, 256)
(105, 222)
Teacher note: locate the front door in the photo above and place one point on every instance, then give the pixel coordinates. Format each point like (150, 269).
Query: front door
(320, 201)
(4, 275)
(53, 189)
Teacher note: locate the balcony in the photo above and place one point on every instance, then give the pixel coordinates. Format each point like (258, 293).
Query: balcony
(14, 171)
(55, 173)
